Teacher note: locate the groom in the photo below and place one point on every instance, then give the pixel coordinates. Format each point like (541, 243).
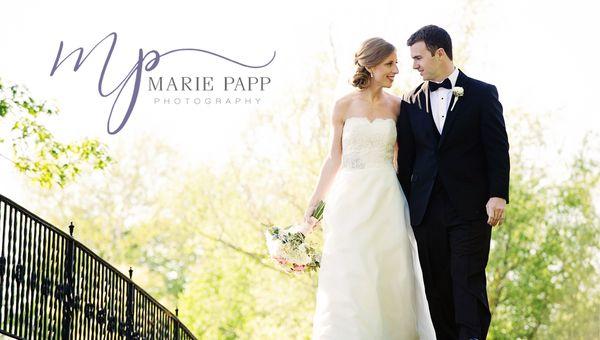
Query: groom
(454, 168)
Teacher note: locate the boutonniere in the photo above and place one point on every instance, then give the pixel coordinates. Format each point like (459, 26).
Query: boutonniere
(458, 92)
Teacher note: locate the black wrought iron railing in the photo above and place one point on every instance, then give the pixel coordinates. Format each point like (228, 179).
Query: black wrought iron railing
(53, 287)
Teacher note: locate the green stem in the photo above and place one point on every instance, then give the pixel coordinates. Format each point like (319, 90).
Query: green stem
(318, 212)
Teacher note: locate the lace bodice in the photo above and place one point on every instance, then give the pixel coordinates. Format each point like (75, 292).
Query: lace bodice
(368, 144)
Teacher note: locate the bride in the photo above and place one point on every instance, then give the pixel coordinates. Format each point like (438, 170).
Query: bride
(370, 281)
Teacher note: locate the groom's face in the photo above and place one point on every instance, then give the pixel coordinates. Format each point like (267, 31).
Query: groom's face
(423, 61)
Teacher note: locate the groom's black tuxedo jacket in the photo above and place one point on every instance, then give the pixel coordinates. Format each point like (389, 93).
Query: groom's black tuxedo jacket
(469, 159)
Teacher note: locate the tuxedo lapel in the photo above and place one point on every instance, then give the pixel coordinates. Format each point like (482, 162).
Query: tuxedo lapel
(425, 100)
(420, 98)
(422, 104)
(436, 132)
(453, 108)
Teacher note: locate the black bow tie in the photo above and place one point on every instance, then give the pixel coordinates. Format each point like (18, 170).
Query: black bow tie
(445, 84)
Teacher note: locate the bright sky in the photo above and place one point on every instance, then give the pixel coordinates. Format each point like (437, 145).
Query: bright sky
(540, 54)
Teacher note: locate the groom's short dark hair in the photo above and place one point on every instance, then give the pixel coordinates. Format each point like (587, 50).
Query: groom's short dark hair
(434, 37)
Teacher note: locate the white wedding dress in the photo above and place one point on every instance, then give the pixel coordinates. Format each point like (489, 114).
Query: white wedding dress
(370, 281)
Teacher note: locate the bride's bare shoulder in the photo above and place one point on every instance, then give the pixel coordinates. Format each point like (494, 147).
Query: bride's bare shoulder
(341, 107)
(343, 104)
(394, 101)
(346, 99)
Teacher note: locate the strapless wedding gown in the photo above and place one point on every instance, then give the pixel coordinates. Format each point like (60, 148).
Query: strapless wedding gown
(370, 283)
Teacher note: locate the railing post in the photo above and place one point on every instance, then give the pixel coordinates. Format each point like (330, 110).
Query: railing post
(129, 311)
(68, 286)
(176, 323)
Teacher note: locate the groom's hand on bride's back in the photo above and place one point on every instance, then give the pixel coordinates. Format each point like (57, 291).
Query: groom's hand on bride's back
(495, 210)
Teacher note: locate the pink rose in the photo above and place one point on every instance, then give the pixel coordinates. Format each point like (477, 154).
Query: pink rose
(299, 268)
(281, 260)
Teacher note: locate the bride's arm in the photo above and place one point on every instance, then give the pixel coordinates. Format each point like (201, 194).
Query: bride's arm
(332, 162)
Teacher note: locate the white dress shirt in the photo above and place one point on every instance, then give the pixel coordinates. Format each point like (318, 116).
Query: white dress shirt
(440, 101)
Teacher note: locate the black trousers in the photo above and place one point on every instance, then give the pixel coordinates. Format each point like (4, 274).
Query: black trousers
(453, 253)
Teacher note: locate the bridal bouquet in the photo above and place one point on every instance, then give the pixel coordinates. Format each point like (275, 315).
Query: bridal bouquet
(290, 249)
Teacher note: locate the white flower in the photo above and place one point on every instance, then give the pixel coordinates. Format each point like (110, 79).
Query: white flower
(288, 247)
(458, 91)
(297, 256)
(274, 245)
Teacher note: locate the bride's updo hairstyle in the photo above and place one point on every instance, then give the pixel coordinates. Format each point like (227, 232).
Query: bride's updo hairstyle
(371, 53)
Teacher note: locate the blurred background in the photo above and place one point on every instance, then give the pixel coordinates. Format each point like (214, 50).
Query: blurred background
(182, 192)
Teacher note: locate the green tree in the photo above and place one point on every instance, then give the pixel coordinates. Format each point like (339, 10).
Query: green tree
(35, 150)
(541, 271)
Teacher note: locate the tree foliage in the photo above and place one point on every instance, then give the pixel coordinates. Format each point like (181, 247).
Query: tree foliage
(35, 150)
